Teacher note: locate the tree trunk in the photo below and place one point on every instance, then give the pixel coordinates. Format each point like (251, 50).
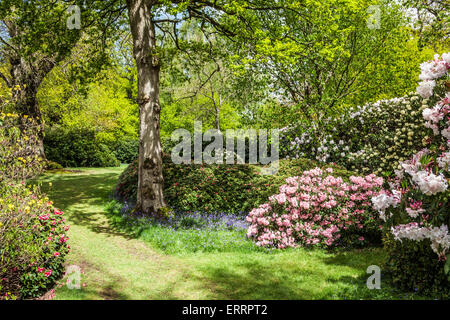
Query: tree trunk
(217, 120)
(25, 95)
(150, 197)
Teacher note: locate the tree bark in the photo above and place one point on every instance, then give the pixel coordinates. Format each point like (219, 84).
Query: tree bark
(25, 95)
(150, 197)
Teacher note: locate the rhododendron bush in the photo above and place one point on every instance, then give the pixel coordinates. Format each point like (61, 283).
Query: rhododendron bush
(33, 234)
(33, 242)
(318, 209)
(372, 138)
(416, 210)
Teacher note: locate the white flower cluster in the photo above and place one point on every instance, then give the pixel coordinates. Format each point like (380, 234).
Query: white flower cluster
(369, 138)
(429, 183)
(444, 161)
(439, 236)
(430, 71)
(384, 201)
(414, 213)
(329, 147)
(434, 115)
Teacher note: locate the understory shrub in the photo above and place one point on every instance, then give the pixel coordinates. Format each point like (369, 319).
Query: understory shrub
(77, 147)
(318, 209)
(216, 187)
(19, 156)
(416, 206)
(126, 150)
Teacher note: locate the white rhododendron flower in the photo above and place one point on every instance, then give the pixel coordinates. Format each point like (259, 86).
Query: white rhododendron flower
(444, 160)
(384, 201)
(439, 236)
(432, 70)
(425, 88)
(446, 57)
(429, 183)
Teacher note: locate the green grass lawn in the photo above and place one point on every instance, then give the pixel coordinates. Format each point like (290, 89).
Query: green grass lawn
(121, 265)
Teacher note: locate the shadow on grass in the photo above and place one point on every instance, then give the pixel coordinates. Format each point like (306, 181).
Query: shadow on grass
(254, 280)
(83, 198)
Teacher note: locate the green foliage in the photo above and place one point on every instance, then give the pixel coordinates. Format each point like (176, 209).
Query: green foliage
(413, 266)
(126, 150)
(77, 147)
(102, 104)
(190, 235)
(102, 113)
(393, 73)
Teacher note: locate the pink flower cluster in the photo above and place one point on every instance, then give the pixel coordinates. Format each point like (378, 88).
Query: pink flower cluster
(431, 70)
(440, 112)
(313, 209)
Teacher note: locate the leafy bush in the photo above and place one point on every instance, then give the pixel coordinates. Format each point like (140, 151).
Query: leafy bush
(216, 187)
(77, 147)
(53, 165)
(168, 144)
(371, 138)
(127, 150)
(416, 209)
(413, 266)
(318, 209)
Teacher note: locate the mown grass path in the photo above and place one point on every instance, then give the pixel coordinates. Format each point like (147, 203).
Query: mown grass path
(114, 265)
(117, 266)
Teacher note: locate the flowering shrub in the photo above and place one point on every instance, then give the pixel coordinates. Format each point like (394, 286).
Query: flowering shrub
(33, 242)
(416, 209)
(370, 138)
(318, 209)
